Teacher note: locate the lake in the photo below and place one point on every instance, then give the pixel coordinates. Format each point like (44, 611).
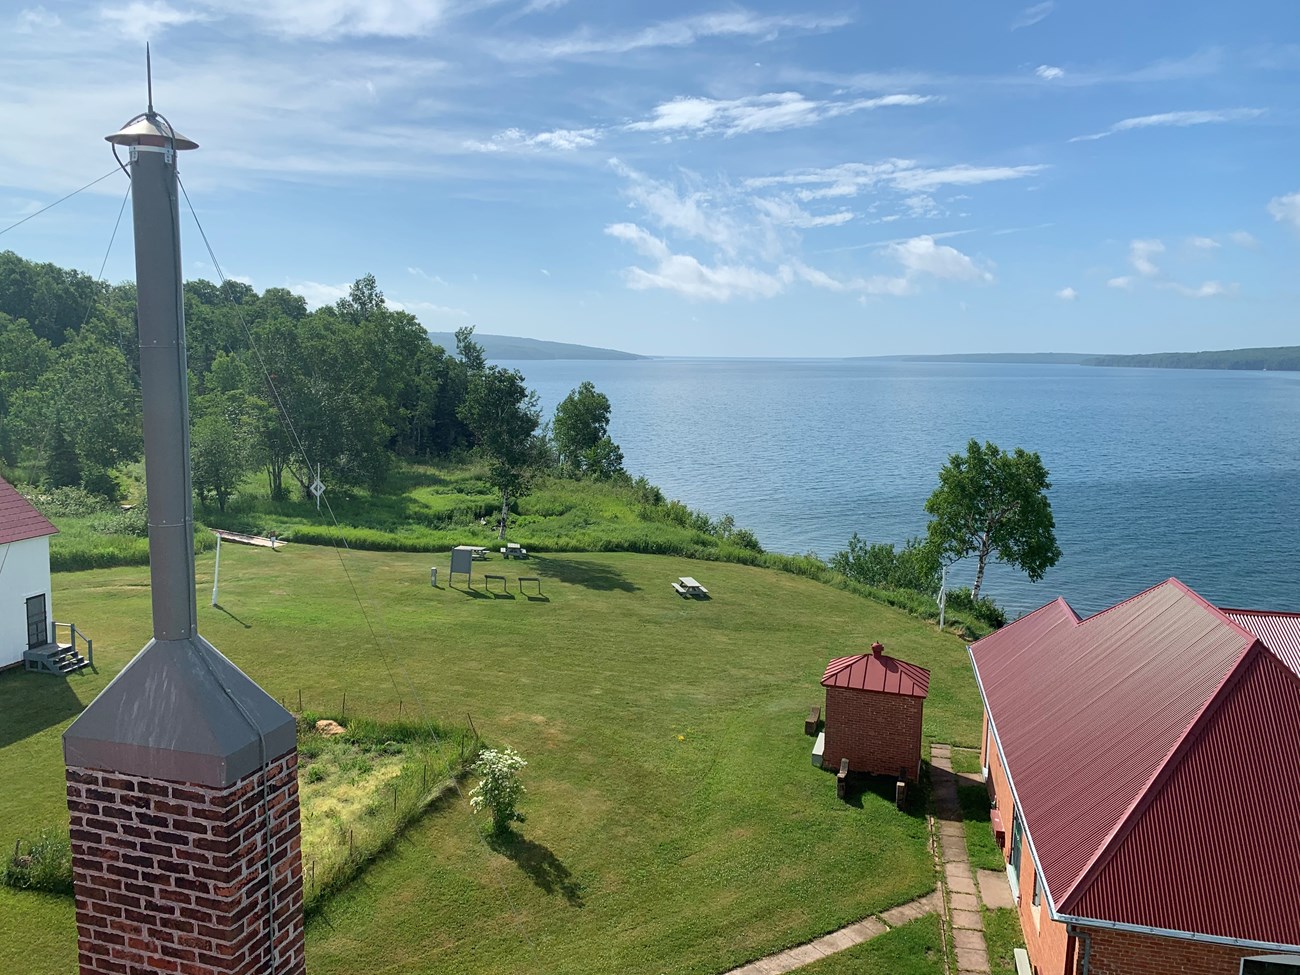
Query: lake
(1155, 472)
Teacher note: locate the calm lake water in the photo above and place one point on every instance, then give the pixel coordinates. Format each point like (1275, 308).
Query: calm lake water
(1155, 472)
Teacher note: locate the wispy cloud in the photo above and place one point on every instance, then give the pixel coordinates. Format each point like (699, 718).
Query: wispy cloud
(852, 179)
(1067, 294)
(688, 276)
(759, 113)
(517, 140)
(1210, 289)
(1032, 15)
(1244, 238)
(144, 19)
(682, 32)
(1175, 120)
(318, 294)
(1286, 209)
(420, 272)
(35, 19)
(1203, 243)
(1049, 72)
(1124, 282)
(1140, 254)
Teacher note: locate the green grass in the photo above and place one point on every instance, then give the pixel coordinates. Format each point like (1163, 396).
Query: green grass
(984, 852)
(675, 823)
(915, 948)
(1002, 935)
(966, 760)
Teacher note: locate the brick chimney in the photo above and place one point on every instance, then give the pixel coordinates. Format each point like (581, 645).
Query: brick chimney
(182, 774)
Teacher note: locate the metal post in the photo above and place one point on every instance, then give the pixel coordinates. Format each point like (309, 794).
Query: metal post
(163, 380)
(216, 572)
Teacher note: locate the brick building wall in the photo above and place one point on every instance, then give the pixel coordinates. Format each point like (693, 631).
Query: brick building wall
(171, 877)
(878, 733)
(1125, 953)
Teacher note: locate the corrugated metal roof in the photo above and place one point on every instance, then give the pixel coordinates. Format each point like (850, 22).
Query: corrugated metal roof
(1216, 849)
(1280, 632)
(18, 519)
(869, 672)
(1094, 717)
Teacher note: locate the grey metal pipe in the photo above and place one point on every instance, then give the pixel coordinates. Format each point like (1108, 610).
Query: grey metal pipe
(164, 391)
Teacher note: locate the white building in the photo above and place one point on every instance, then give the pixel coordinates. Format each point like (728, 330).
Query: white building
(25, 620)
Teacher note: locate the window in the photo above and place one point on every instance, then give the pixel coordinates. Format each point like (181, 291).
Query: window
(1016, 830)
(1037, 898)
(1271, 965)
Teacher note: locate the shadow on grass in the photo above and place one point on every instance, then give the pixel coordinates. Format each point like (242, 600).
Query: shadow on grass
(862, 789)
(32, 702)
(603, 578)
(542, 866)
(247, 626)
(475, 593)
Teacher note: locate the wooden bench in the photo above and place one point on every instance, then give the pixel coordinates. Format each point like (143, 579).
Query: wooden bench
(488, 576)
(842, 779)
(680, 590)
(814, 719)
(536, 579)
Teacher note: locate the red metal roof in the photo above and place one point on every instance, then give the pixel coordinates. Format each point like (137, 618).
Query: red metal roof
(1125, 736)
(1280, 632)
(871, 672)
(18, 519)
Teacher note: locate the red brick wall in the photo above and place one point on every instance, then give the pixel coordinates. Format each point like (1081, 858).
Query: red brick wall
(171, 877)
(878, 733)
(1124, 953)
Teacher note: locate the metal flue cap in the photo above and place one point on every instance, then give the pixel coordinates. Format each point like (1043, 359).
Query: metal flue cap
(877, 648)
(150, 130)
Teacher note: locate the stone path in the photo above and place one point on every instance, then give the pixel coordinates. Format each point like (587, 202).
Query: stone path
(854, 934)
(963, 898)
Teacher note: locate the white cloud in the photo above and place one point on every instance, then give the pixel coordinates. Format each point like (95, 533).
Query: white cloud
(769, 112)
(1210, 289)
(35, 19)
(145, 19)
(317, 294)
(922, 205)
(1032, 15)
(427, 308)
(852, 179)
(688, 276)
(1140, 253)
(1286, 209)
(682, 32)
(1123, 282)
(517, 140)
(1067, 294)
(1048, 72)
(1175, 120)
(1203, 243)
(545, 273)
(704, 214)
(420, 272)
(1243, 238)
(328, 20)
(921, 255)
(787, 213)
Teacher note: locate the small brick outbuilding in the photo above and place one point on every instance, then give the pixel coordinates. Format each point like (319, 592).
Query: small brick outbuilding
(874, 706)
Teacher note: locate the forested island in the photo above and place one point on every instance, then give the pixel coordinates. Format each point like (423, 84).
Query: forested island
(1282, 358)
(513, 347)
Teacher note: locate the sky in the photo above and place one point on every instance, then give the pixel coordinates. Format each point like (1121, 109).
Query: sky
(812, 178)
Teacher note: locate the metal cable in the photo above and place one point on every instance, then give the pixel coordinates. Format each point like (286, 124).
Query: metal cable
(51, 206)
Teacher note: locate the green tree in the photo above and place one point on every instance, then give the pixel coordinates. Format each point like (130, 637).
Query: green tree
(503, 416)
(581, 434)
(993, 503)
(915, 566)
(470, 352)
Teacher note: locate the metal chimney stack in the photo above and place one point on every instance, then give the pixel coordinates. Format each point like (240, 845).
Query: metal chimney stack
(182, 773)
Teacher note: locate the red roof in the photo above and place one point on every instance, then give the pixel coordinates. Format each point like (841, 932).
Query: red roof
(18, 519)
(1280, 632)
(1152, 752)
(872, 672)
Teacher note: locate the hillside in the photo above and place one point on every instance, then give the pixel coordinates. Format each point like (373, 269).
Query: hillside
(498, 347)
(1282, 358)
(1048, 358)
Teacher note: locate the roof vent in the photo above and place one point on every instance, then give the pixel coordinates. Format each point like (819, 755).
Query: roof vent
(877, 648)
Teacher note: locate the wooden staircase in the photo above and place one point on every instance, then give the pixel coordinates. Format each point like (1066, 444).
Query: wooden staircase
(60, 658)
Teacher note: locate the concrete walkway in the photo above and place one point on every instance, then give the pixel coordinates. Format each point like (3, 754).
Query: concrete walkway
(963, 900)
(854, 934)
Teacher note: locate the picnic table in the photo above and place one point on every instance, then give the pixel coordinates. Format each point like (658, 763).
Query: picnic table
(514, 551)
(478, 553)
(687, 586)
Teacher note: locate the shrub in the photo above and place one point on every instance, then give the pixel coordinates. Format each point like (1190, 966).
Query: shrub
(914, 567)
(499, 790)
(46, 865)
(983, 609)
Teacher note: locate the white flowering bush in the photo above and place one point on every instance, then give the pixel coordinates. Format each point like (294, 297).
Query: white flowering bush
(499, 789)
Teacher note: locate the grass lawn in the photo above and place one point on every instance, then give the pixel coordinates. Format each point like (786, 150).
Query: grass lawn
(983, 850)
(675, 823)
(966, 760)
(1002, 936)
(915, 948)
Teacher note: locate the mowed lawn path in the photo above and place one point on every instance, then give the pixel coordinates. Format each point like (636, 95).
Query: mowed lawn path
(675, 823)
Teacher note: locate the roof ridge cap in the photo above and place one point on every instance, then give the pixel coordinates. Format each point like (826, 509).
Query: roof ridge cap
(1146, 795)
(1214, 610)
(1260, 612)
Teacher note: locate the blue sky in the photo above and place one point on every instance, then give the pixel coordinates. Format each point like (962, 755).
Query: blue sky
(813, 178)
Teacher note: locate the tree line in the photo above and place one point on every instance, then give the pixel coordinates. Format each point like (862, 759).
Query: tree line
(350, 388)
